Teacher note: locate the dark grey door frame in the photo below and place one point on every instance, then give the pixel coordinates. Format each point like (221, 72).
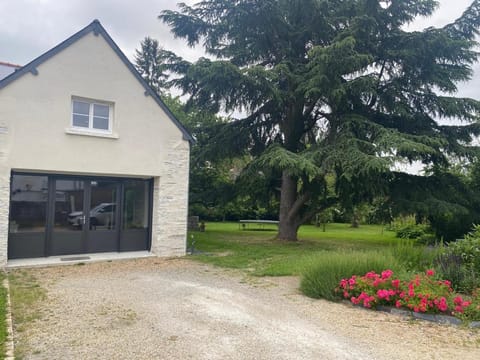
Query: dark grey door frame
(86, 231)
(120, 201)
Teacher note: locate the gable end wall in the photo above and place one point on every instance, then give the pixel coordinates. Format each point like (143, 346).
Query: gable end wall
(35, 111)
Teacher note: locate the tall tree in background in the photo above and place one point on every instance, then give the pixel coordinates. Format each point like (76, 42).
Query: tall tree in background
(329, 86)
(211, 187)
(149, 63)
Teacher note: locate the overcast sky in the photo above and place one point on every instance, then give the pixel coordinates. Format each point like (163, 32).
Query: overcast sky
(28, 28)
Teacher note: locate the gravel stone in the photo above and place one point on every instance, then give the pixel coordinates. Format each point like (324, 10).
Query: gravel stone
(180, 309)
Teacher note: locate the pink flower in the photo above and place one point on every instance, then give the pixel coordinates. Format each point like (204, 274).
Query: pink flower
(383, 294)
(387, 274)
(398, 304)
(352, 281)
(430, 272)
(459, 308)
(458, 300)
(367, 300)
(441, 304)
(362, 295)
(396, 283)
(371, 275)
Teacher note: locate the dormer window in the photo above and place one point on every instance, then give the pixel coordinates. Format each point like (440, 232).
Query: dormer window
(92, 115)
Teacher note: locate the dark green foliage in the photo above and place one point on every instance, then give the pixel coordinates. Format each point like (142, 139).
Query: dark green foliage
(212, 189)
(411, 231)
(150, 64)
(451, 267)
(468, 249)
(331, 87)
(445, 199)
(460, 261)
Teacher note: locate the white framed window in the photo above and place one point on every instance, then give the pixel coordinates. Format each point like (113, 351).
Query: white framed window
(92, 115)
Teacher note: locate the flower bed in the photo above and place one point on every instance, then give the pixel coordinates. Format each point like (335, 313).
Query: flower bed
(421, 294)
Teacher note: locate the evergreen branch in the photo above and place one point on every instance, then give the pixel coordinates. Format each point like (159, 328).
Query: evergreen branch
(467, 25)
(280, 159)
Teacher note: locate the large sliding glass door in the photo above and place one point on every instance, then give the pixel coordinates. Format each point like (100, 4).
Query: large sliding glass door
(61, 215)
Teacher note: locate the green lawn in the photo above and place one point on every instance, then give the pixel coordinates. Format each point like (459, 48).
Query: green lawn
(25, 296)
(257, 252)
(3, 314)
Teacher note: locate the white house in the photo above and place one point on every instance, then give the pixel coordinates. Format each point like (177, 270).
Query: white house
(91, 160)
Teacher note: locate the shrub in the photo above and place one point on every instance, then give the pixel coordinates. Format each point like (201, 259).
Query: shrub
(427, 239)
(321, 279)
(460, 262)
(420, 293)
(468, 249)
(411, 231)
(407, 228)
(451, 267)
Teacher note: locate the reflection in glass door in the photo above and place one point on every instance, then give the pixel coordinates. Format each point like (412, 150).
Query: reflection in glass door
(102, 234)
(134, 235)
(28, 214)
(69, 219)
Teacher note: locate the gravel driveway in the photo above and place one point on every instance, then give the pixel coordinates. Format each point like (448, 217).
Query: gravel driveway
(179, 309)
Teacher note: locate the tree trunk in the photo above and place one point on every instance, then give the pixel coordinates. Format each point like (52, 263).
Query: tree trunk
(355, 219)
(289, 223)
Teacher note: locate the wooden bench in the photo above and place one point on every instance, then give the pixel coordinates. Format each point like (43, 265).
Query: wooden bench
(243, 224)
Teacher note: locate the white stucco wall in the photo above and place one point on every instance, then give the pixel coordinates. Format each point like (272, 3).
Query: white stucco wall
(35, 115)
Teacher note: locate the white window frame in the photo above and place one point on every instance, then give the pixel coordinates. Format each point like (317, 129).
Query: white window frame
(90, 128)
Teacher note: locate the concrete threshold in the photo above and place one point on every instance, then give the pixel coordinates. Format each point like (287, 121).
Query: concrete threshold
(77, 258)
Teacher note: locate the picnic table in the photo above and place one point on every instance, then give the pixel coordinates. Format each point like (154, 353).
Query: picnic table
(243, 224)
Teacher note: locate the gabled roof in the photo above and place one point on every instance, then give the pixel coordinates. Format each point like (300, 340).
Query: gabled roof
(97, 29)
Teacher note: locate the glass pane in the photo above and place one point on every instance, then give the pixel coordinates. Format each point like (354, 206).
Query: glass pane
(80, 120)
(80, 107)
(100, 123)
(28, 203)
(100, 110)
(135, 211)
(103, 208)
(69, 205)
